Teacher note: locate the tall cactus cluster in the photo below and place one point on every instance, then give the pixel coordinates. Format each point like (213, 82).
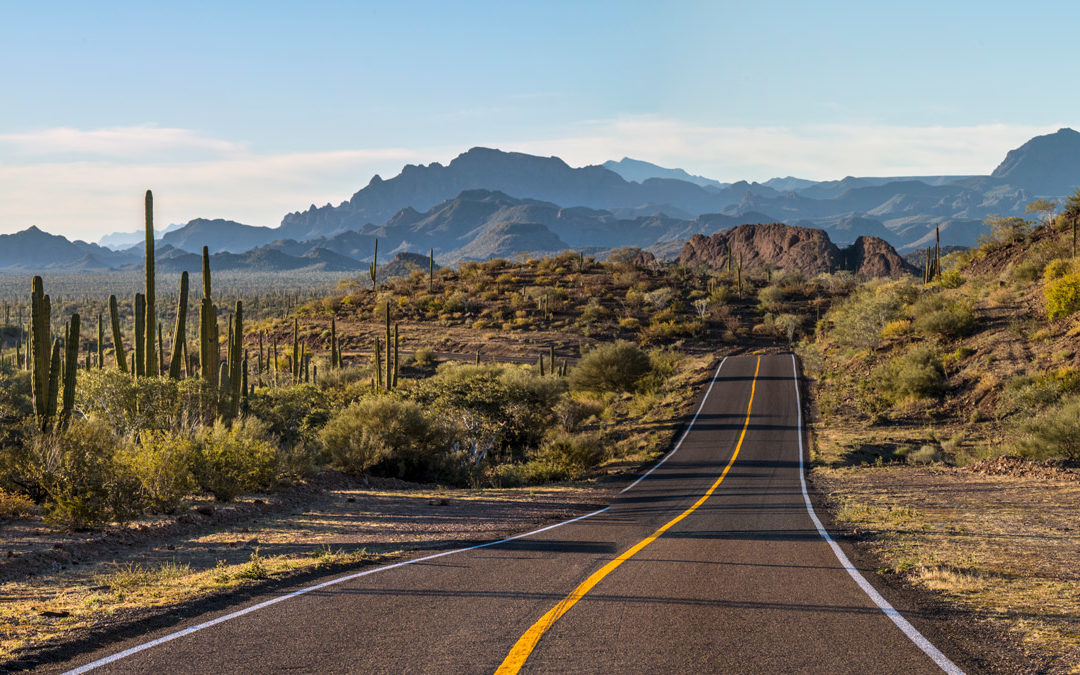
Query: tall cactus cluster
(386, 377)
(47, 371)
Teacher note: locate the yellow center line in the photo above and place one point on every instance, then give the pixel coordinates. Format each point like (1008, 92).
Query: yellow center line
(521, 650)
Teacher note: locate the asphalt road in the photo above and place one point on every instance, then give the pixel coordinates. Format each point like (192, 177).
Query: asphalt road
(670, 578)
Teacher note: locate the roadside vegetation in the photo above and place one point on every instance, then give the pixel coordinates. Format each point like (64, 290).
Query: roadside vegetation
(949, 417)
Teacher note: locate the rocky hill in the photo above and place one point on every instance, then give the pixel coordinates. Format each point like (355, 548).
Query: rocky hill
(220, 235)
(788, 247)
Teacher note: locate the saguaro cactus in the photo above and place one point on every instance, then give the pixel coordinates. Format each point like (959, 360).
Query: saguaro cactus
(431, 270)
(236, 360)
(71, 367)
(179, 330)
(150, 354)
(373, 267)
(208, 330)
(140, 335)
(40, 348)
(117, 336)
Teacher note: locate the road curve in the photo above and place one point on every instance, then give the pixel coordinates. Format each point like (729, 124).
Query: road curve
(711, 563)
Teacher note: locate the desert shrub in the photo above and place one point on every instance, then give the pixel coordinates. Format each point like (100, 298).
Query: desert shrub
(76, 468)
(374, 430)
(1038, 390)
(292, 414)
(571, 412)
(663, 363)
(771, 298)
(1056, 269)
(498, 410)
(162, 463)
(340, 378)
(424, 357)
(895, 329)
(1055, 432)
(660, 298)
(130, 405)
(858, 320)
(1062, 295)
(234, 460)
(615, 366)
(917, 373)
(936, 315)
(14, 505)
(574, 453)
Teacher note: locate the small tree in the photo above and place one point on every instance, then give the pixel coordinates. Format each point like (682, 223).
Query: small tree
(1043, 208)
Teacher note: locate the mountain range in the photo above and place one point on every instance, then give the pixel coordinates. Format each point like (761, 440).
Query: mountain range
(487, 203)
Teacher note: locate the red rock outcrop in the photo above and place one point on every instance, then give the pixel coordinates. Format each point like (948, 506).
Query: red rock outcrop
(788, 247)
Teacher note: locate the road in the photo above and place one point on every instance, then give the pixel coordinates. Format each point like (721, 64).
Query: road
(711, 563)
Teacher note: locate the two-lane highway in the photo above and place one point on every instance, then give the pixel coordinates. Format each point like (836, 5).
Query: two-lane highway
(712, 562)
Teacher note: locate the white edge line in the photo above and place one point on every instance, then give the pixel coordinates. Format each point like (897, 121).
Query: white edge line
(687, 431)
(273, 601)
(903, 624)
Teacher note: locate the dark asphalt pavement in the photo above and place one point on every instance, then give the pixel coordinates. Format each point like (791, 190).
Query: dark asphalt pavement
(744, 583)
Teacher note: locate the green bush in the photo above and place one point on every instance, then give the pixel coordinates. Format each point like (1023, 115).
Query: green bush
(380, 430)
(234, 460)
(1038, 390)
(292, 414)
(575, 454)
(857, 321)
(1062, 295)
(162, 462)
(917, 373)
(1053, 433)
(86, 487)
(935, 315)
(614, 366)
(131, 405)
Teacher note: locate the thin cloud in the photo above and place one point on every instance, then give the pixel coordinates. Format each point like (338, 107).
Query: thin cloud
(115, 142)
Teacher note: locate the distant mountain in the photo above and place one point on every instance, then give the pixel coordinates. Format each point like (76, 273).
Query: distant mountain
(789, 184)
(33, 249)
(503, 240)
(524, 176)
(639, 171)
(1048, 166)
(257, 260)
(122, 240)
(403, 265)
(219, 235)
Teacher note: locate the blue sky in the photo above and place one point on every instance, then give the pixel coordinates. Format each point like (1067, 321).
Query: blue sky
(261, 108)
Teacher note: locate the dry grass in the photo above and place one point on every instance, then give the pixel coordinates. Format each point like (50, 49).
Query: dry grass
(1009, 547)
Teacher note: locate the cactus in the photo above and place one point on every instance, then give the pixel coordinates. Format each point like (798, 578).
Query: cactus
(151, 367)
(160, 365)
(551, 358)
(373, 267)
(53, 387)
(378, 366)
(140, 335)
(209, 354)
(540, 364)
(395, 354)
(244, 371)
(296, 352)
(180, 330)
(223, 384)
(389, 364)
(334, 354)
(117, 336)
(431, 270)
(71, 367)
(100, 342)
(40, 349)
(236, 360)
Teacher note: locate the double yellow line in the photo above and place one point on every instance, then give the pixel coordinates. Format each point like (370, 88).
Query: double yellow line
(515, 660)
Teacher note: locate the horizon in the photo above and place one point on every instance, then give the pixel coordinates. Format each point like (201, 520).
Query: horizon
(248, 113)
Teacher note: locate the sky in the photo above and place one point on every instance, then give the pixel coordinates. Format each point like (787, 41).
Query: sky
(248, 111)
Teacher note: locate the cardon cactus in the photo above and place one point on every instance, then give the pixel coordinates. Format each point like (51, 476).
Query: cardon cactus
(150, 323)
